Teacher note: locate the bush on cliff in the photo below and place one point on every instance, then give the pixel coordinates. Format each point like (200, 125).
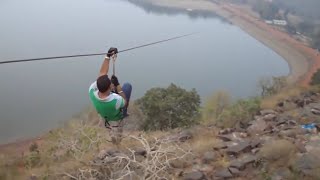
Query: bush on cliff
(168, 108)
(219, 110)
(315, 78)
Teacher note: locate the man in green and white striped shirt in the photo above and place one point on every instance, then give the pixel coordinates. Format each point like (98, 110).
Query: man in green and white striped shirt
(110, 106)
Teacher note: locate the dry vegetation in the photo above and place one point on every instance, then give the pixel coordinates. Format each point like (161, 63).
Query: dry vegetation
(71, 152)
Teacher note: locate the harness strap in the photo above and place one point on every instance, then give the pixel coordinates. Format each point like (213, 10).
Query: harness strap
(108, 125)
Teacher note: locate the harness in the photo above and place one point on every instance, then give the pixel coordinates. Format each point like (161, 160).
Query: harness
(120, 124)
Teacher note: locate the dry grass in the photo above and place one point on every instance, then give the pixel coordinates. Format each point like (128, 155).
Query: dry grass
(278, 153)
(272, 101)
(203, 140)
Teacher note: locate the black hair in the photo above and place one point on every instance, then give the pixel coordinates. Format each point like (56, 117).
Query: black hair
(103, 83)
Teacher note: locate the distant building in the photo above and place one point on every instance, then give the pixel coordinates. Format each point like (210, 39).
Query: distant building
(279, 22)
(268, 22)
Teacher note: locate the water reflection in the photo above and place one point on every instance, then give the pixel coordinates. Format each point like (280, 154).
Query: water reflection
(192, 14)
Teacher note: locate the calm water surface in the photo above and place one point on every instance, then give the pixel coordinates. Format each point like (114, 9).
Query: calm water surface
(35, 97)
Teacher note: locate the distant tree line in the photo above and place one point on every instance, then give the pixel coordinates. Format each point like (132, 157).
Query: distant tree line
(266, 10)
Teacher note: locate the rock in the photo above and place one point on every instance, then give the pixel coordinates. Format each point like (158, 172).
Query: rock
(235, 136)
(33, 177)
(104, 153)
(315, 105)
(236, 164)
(300, 147)
(185, 135)
(240, 147)
(308, 163)
(255, 150)
(226, 131)
(292, 132)
(140, 151)
(195, 175)
(209, 157)
(234, 171)
(292, 122)
(280, 104)
(179, 164)
(223, 173)
(219, 146)
(255, 142)
(225, 137)
(269, 117)
(281, 174)
(281, 121)
(315, 111)
(257, 127)
(267, 111)
(242, 162)
(300, 103)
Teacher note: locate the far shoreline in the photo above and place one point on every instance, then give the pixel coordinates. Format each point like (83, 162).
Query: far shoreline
(302, 60)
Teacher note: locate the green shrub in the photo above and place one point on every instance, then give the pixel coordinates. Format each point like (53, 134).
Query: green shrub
(271, 86)
(168, 108)
(315, 78)
(240, 112)
(32, 160)
(33, 147)
(215, 106)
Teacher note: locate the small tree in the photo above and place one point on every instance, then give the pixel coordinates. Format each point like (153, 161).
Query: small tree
(171, 107)
(271, 86)
(215, 105)
(316, 78)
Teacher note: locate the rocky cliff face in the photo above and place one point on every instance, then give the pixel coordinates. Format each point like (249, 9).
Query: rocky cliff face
(279, 143)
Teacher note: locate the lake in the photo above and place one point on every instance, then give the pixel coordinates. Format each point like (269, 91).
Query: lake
(38, 96)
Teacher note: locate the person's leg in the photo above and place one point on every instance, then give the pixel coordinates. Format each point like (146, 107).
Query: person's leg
(126, 88)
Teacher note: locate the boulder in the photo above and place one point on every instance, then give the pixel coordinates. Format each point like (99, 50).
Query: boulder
(235, 136)
(239, 147)
(104, 153)
(195, 175)
(226, 131)
(267, 111)
(257, 127)
(209, 157)
(255, 142)
(185, 135)
(223, 173)
(300, 147)
(181, 136)
(227, 137)
(281, 174)
(33, 177)
(140, 151)
(308, 164)
(269, 117)
(234, 171)
(315, 111)
(179, 164)
(255, 150)
(219, 146)
(292, 132)
(241, 163)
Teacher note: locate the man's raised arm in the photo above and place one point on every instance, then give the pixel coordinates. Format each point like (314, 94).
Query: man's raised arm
(105, 65)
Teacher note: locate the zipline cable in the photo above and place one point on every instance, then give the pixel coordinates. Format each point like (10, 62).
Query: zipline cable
(95, 54)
